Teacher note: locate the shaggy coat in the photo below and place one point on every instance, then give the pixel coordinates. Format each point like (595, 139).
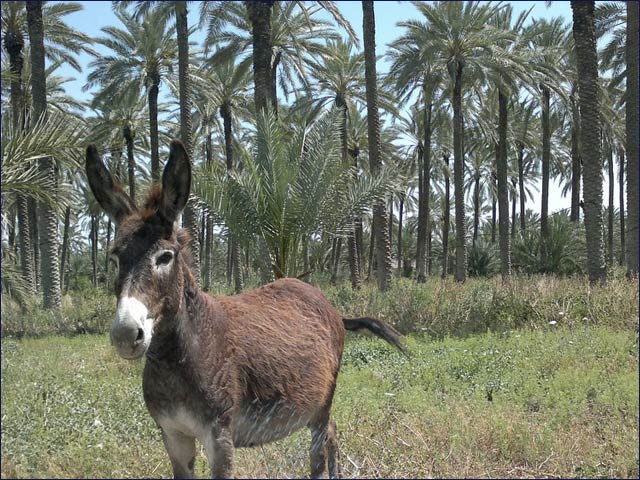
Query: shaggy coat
(231, 371)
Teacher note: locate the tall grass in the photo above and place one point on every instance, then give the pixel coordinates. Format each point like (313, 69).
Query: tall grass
(441, 308)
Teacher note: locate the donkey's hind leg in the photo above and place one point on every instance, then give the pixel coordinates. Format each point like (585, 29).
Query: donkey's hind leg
(182, 453)
(332, 451)
(324, 447)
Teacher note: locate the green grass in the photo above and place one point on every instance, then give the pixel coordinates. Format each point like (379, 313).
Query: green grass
(551, 401)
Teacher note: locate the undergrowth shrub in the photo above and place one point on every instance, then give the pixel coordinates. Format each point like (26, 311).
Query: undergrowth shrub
(437, 308)
(445, 308)
(87, 311)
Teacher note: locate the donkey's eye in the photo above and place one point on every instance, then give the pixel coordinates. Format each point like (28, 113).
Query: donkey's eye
(164, 258)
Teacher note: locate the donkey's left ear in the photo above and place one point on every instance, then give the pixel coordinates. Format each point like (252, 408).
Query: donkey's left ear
(176, 182)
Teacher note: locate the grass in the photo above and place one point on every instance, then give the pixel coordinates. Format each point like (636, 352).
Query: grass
(537, 377)
(555, 401)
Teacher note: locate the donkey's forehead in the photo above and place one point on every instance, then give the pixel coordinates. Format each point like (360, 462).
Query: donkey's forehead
(138, 233)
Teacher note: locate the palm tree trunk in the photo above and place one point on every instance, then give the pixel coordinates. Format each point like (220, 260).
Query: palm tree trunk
(236, 263)
(371, 266)
(632, 127)
(400, 212)
(65, 246)
(610, 209)
(305, 257)
(621, 186)
(458, 177)
(127, 133)
(546, 159)
(426, 187)
(588, 91)
(514, 203)
(106, 255)
(523, 224)
(14, 44)
(476, 206)
(274, 81)
(208, 273)
(184, 86)
(422, 228)
(34, 233)
(260, 17)
(229, 262)
(446, 219)
(352, 248)
(48, 222)
(152, 97)
(429, 251)
(336, 261)
(26, 249)
(92, 243)
(391, 218)
(358, 224)
(236, 259)
(383, 248)
(11, 230)
(503, 189)
(494, 217)
(576, 162)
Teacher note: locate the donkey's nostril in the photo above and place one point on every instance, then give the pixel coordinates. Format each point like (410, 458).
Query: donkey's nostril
(140, 335)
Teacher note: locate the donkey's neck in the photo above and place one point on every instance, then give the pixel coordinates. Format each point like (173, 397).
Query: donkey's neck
(180, 343)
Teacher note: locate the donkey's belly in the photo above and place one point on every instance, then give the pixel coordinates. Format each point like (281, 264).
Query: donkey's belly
(258, 424)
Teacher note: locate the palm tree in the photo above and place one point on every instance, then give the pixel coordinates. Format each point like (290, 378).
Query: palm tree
(260, 18)
(632, 137)
(123, 118)
(182, 38)
(338, 79)
(225, 85)
(281, 35)
(145, 51)
(383, 248)
(413, 68)
(509, 67)
(61, 42)
(291, 187)
(178, 10)
(548, 39)
(524, 126)
(47, 221)
(462, 39)
(589, 95)
(59, 134)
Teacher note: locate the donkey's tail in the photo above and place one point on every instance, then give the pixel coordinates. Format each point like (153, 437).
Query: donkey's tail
(378, 328)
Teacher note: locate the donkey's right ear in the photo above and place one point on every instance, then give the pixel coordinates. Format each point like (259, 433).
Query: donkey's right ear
(115, 202)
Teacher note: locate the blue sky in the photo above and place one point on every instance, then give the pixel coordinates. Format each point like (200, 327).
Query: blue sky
(98, 14)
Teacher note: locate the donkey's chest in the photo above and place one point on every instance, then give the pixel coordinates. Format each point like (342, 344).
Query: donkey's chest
(173, 400)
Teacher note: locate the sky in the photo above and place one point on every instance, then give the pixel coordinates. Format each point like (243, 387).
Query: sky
(98, 14)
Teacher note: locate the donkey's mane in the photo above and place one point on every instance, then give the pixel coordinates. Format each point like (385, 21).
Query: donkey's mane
(152, 203)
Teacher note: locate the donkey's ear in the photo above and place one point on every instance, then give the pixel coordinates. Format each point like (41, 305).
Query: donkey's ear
(176, 182)
(115, 202)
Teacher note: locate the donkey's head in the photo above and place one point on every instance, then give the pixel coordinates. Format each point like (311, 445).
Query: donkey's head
(146, 251)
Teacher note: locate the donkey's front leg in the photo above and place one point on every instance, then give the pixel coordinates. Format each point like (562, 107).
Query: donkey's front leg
(182, 453)
(219, 448)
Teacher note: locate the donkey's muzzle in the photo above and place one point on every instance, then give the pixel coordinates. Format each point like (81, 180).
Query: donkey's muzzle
(131, 330)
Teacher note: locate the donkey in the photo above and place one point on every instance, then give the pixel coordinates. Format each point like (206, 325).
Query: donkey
(231, 371)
